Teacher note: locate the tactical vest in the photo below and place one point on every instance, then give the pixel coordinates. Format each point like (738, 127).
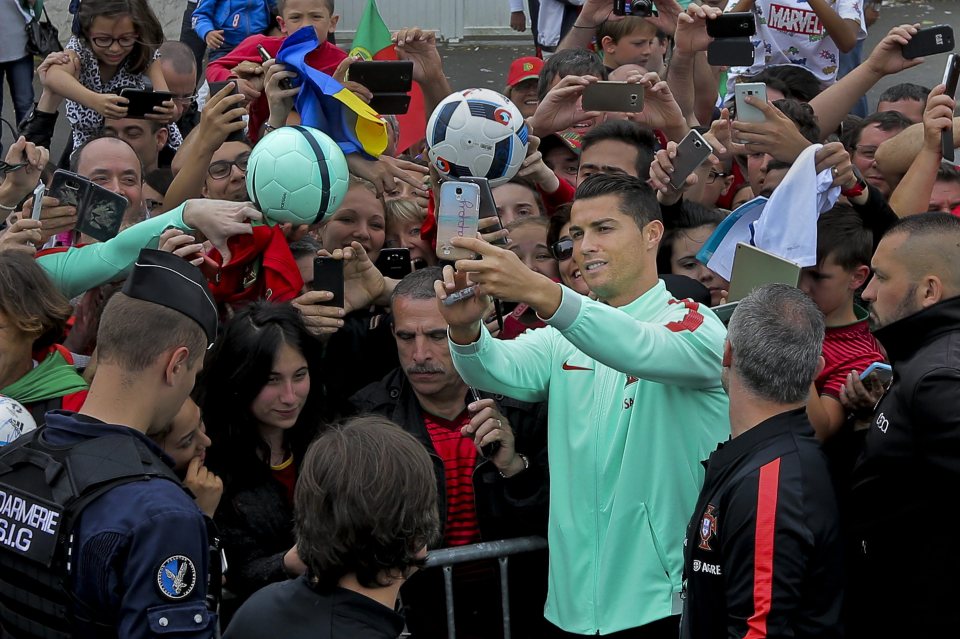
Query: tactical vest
(43, 489)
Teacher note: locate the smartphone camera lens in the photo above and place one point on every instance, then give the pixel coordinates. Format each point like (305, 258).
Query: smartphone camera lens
(459, 191)
(697, 145)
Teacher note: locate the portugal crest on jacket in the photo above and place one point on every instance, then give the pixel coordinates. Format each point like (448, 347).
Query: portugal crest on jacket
(708, 527)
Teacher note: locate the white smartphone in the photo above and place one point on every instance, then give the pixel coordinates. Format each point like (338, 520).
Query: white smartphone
(38, 201)
(747, 112)
(458, 215)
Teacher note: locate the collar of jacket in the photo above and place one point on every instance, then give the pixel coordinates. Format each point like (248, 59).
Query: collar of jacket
(771, 428)
(903, 337)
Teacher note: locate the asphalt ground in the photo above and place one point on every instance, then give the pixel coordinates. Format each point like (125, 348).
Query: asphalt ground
(484, 64)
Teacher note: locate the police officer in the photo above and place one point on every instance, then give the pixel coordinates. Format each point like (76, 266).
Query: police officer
(762, 555)
(98, 538)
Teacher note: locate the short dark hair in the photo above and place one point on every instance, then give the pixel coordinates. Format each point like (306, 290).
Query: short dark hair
(842, 235)
(418, 285)
(148, 27)
(304, 246)
(927, 224)
(559, 219)
(691, 215)
(636, 135)
(365, 503)
(637, 199)
(179, 56)
(30, 301)
(331, 6)
(948, 173)
(77, 154)
(793, 82)
(133, 333)
(569, 62)
(802, 115)
(885, 120)
(904, 91)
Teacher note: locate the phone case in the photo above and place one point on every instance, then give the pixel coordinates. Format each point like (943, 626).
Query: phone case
(732, 25)
(730, 52)
(929, 41)
(951, 74)
(394, 262)
(101, 214)
(328, 276)
(390, 103)
(38, 193)
(142, 102)
(458, 216)
(621, 97)
(488, 207)
(691, 152)
(746, 112)
(69, 188)
(383, 76)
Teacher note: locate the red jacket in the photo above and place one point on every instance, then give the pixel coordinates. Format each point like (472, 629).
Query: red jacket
(325, 58)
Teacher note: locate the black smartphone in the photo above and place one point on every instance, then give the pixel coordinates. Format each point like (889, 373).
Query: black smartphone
(264, 56)
(394, 262)
(730, 52)
(929, 41)
(328, 276)
(951, 74)
(383, 76)
(99, 211)
(390, 103)
(739, 24)
(641, 8)
(142, 102)
(217, 87)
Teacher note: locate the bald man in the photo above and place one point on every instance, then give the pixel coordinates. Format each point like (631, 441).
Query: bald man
(904, 514)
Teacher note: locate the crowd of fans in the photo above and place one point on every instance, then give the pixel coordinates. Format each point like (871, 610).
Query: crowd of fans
(220, 450)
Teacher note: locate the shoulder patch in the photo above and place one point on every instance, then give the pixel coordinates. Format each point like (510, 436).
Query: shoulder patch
(177, 577)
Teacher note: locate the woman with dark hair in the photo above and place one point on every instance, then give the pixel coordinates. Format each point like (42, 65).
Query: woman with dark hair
(683, 237)
(261, 412)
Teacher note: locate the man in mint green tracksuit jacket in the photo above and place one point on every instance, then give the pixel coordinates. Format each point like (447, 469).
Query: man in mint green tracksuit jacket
(635, 404)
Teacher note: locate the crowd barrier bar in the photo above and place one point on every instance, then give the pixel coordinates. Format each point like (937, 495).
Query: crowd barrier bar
(447, 558)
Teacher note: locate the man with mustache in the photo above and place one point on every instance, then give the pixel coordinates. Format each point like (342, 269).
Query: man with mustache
(489, 458)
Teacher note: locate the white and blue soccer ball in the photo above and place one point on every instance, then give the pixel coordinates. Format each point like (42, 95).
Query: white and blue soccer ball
(15, 420)
(477, 133)
(297, 174)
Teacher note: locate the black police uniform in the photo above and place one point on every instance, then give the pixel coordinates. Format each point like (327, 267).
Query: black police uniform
(904, 506)
(762, 554)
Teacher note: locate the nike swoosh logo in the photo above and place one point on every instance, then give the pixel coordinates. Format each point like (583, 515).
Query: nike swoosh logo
(568, 367)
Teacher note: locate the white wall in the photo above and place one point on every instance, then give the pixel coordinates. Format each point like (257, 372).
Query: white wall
(453, 19)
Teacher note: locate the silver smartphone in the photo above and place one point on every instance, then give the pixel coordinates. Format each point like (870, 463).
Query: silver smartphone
(951, 74)
(38, 201)
(753, 268)
(747, 112)
(608, 95)
(691, 152)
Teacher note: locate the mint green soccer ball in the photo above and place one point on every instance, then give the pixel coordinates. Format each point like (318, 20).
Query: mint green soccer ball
(297, 174)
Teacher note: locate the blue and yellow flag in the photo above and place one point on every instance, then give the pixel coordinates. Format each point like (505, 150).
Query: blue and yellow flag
(325, 104)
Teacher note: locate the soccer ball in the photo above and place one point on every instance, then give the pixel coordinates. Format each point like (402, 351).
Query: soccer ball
(479, 133)
(297, 174)
(15, 420)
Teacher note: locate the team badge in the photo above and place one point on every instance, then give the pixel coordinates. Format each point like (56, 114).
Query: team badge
(708, 527)
(177, 577)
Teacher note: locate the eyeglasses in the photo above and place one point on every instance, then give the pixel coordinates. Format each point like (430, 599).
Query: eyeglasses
(222, 168)
(867, 152)
(185, 99)
(152, 205)
(105, 42)
(562, 250)
(713, 176)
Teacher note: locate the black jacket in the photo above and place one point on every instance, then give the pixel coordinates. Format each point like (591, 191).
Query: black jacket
(764, 543)
(295, 610)
(904, 501)
(513, 507)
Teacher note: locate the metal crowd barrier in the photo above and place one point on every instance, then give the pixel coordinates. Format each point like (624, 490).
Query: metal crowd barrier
(447, 558)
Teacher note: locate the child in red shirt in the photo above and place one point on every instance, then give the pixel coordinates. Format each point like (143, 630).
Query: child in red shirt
(294, 14)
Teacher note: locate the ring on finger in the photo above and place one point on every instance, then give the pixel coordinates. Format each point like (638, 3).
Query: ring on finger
(499, 425)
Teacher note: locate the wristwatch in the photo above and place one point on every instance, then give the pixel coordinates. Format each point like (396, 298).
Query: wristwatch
(857, 189)
(526, 465)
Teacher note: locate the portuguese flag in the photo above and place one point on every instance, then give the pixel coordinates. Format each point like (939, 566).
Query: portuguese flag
(372, 42)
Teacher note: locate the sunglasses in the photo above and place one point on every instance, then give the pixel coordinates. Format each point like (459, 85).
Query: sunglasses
(562, 250)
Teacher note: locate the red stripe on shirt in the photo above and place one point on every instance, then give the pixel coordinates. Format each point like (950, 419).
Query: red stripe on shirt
(763, 549)
(459, 457)
(691, 321)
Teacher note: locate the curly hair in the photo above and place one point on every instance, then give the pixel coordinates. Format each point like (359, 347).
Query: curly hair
(365, 503)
